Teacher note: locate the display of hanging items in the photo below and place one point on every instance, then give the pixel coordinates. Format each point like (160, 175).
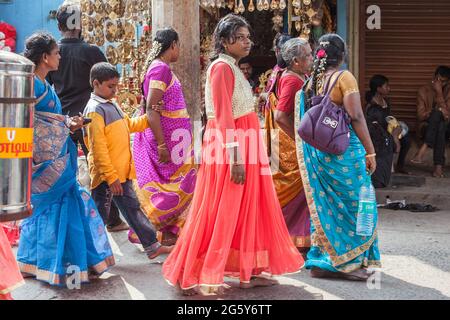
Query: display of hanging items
(238, 7)
(115, 25)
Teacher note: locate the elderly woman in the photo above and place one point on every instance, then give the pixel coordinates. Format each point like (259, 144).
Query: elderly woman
(65, 234)
(297, 57)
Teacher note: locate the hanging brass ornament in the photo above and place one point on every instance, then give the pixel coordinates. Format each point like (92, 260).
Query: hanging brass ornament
(283, 4)
(310, 13)
(130, 32)
(260, 5)
(266, 5)
(306, 2)
(112, 55)
(274, 5)
(241, 7)
(99, 6)
(251, 6)
(110, 31)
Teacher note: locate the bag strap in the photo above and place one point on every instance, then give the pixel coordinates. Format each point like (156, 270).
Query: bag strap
(327, 90)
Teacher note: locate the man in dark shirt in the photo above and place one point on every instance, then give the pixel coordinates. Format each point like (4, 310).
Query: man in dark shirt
(72, 80)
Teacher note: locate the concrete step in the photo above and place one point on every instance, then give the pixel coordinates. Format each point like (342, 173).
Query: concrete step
(417, 189)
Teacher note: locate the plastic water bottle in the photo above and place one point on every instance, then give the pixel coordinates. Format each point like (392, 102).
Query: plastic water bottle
(366, 210)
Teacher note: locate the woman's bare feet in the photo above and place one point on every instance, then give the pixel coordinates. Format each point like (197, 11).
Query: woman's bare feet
(161, 250)
(258, 282)
(190, 292)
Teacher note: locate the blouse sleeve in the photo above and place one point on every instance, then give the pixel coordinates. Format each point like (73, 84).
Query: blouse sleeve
(289, 86)
(348, 84)
(222, 87)
(159, 77)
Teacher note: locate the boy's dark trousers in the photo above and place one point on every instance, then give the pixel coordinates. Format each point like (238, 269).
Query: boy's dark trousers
(130, 208)
(114, 214)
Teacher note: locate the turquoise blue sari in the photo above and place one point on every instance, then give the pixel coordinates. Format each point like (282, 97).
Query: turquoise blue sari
(332, 184)
(65, 234)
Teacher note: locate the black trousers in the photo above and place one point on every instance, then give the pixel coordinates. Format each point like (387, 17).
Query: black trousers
(114, 215)
(436, 135)
(405, 145)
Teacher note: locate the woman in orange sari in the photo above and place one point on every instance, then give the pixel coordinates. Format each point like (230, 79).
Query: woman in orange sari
(10, 276)
(235, 227)
(297, 57)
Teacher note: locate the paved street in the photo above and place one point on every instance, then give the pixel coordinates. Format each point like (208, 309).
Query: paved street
(415, 256)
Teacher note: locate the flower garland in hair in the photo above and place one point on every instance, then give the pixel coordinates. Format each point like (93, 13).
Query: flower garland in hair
(321, 62)
(154, 53)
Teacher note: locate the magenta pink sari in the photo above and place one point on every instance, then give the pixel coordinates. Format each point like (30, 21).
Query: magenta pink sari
(165, 190)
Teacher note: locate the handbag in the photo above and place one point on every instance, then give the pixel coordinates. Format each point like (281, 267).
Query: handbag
(325, 126)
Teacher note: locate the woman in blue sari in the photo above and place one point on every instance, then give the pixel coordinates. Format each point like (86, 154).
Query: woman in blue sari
(65, 239)
(332, 183)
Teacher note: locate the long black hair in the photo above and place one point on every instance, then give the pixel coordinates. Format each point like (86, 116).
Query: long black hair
(226, 30)
(37, 45)
(336, 53)
(164, 38)
(376, 82)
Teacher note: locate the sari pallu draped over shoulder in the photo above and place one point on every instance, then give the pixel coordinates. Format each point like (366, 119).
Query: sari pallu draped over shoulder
(282, 152)
(332, 185)
(65, 234)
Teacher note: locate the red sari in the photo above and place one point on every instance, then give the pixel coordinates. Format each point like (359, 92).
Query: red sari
(10, 276)
(231, 230)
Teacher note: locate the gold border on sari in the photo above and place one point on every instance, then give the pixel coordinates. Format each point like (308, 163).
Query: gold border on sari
(319, 238)
(56, 279)
(177, 114)
(155, 84)
(12, 288)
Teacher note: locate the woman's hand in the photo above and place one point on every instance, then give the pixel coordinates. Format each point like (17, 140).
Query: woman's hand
(164, 154)
(76, 123)
(238, 173)
(371, 165)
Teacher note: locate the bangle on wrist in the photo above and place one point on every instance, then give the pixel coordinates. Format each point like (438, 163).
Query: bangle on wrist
(372, 155)
(162, 146)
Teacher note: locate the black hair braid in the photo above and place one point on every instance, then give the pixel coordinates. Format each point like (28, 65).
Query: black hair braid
(164, 38)
(335, 53)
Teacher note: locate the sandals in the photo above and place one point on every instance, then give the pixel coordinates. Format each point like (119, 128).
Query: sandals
(357, 275)
(416, 161)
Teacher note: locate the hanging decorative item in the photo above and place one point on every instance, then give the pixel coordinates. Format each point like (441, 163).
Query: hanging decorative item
(114, 24)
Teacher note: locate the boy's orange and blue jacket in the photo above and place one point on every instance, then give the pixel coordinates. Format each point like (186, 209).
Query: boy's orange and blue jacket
(108, 140)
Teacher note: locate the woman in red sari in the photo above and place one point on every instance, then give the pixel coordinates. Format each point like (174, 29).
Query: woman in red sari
(235, 227)
(298, 60)
(10, 276)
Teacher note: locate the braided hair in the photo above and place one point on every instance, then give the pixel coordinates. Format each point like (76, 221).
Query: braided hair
(161, 43)
(331, 53)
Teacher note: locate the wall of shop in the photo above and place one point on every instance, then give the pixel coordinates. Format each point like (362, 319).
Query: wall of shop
(29, 16)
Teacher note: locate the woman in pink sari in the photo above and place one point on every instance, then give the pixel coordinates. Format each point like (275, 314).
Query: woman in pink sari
(163, 155)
